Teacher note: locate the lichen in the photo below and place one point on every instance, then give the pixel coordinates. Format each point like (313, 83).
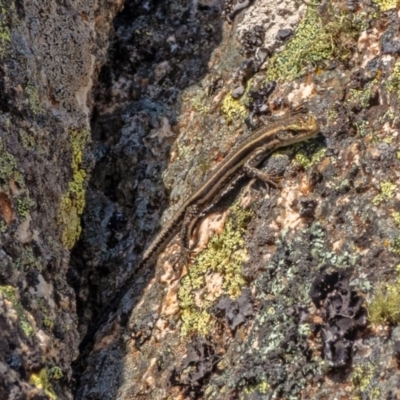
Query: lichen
(363, 128)
(362, 97)
(55, 373)
(5, 34)
(224, 255)
(387, 191)
(10, 293)
(396, 217)
(394, 245)
(232, 108)
(28, 260)
(316, 39)
(41, 381)
(361, 379)
(8, 169)
(34, 99)
(306, 162)
(386, 5)
(393, 82)
(73, 202)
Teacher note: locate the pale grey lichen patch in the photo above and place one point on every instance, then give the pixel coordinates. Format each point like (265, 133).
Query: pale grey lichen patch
(272, 16)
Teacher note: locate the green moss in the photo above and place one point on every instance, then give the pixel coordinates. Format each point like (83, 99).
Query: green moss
(10, 293)
(224, 255)
(386, 5)
(316, 40)
(73, 202)
(41, 381)
(232, 108)
(385, 306)
(34, 99)
(387, 191)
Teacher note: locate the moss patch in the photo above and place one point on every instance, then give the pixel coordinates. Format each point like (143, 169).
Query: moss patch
(224, 255)
(385, 306)
(73, 202)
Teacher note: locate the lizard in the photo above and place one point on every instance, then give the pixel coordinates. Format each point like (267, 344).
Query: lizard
(241, 161)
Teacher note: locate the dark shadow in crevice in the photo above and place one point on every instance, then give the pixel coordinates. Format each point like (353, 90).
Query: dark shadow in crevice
(159, 49)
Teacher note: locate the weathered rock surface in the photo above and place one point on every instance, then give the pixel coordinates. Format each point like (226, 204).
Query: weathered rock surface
(294, 292)
(51, 53)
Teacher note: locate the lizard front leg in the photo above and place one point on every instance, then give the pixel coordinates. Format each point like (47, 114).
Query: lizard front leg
(249, 168)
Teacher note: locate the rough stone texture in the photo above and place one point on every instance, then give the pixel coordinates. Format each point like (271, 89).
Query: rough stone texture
(51, 52)
(295, 291)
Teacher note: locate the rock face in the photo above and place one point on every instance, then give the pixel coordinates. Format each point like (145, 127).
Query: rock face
(293, 291)
(51, 52)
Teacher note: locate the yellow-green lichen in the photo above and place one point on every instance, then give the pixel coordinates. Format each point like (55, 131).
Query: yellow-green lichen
(306, 162)
(232, 108)
(28, 260)
(393, 82)
(224, 256)
(41, 381)
(361, 379)
(363, 96)
(55, 373)
(385, 305)
(262, 387)
(8, 169)
(316, 39)
(332, 115)
(396, 217)
(363, 128)
(386, 5)
(24, 204)
(73, 202)
(28, 140)
(5, 34)
(387, 191)
(43, 307)
(34, 99)
(394, 245)
(10, 293)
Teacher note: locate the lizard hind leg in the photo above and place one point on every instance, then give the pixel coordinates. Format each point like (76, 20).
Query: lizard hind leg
(183, 257)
